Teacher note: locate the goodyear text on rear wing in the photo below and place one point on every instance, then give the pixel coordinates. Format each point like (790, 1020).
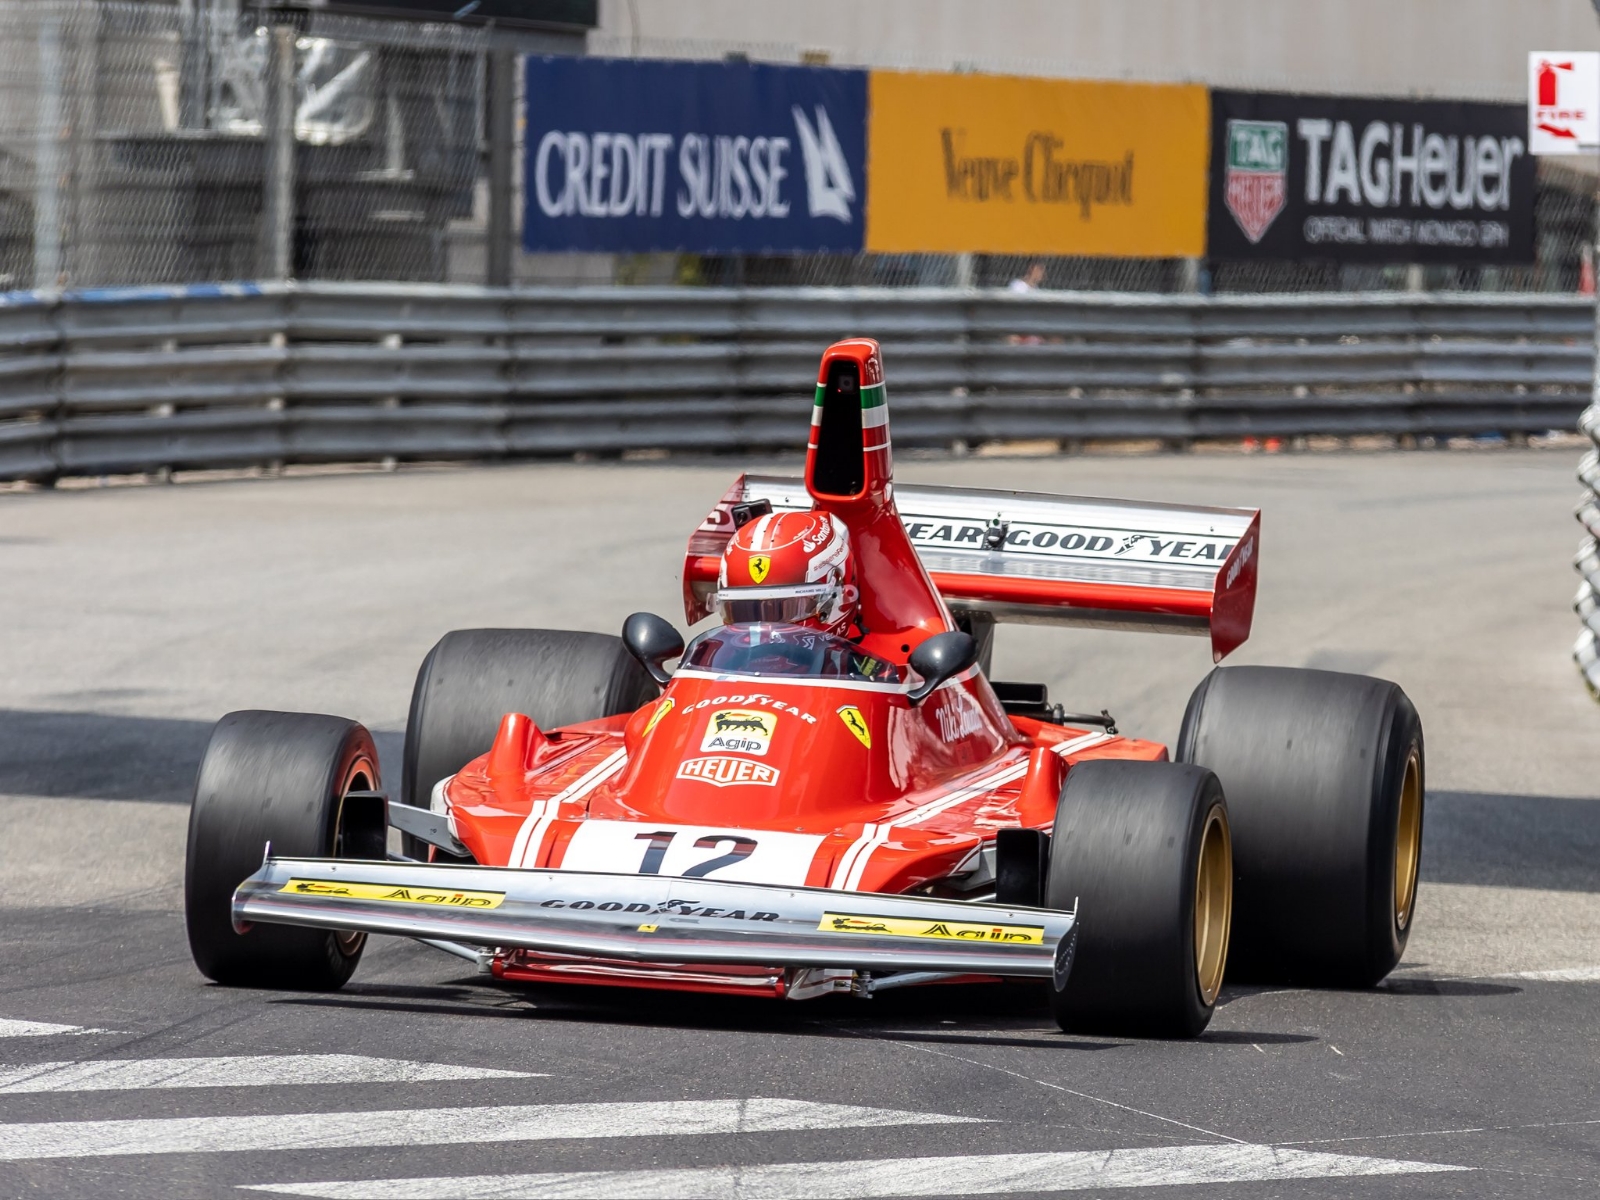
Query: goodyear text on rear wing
(1030, 558)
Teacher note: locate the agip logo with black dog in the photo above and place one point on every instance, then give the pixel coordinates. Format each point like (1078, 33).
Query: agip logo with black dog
(739, 731)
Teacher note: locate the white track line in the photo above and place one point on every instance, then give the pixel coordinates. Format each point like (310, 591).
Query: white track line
(968, 1175)
(440, 1127)
(11, 1029)
(245, 1070)
(1557, 975)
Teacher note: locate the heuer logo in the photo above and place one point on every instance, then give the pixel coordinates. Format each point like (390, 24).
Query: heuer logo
(740, 731)
(1257, 182)
(725, 772)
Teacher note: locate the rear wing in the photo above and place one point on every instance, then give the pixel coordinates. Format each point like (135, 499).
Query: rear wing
(1033, 558)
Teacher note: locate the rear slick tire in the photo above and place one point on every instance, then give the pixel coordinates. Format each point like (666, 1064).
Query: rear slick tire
(278, 778)
(1142, 850)
(1324, 775)
(473, 677)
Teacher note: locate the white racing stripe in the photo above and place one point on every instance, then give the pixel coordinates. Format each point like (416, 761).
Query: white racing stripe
(968, 1175)
(440, 1127)
(1073, 745)
(244, 1070)
(531, 836)
(853, 863)
(11, 1029)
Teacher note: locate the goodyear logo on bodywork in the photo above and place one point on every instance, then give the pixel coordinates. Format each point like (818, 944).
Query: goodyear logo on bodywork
(959, 931)
(338, 889)
(739, 730)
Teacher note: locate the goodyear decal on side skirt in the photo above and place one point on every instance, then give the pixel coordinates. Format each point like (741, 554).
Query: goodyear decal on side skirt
(962, 931)
(338, 889)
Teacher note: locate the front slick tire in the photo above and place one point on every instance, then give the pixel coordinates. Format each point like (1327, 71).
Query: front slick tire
(279, 778)
(1143, 850)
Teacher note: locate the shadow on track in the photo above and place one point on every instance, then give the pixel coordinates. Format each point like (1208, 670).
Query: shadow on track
(1512, 841)
(103, 756)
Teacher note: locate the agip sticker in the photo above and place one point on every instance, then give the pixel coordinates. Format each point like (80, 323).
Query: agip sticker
(961, 931)
(338, 889)
(739, 731)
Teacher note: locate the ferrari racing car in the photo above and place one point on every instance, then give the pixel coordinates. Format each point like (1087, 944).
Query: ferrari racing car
(828, 793)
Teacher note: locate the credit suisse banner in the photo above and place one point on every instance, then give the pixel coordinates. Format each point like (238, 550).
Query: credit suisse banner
(1369, 180)
(999, 164)
(715, 158)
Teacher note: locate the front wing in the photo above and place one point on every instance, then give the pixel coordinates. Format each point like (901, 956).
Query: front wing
(659, 919)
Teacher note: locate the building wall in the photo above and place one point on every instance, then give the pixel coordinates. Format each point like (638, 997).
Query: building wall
(1450, 48)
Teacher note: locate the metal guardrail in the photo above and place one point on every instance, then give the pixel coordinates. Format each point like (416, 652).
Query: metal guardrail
(100, 382)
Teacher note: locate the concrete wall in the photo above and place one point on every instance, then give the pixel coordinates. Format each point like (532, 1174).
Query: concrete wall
(1459, 48)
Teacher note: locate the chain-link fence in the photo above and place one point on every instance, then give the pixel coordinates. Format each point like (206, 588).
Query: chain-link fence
(135, 149)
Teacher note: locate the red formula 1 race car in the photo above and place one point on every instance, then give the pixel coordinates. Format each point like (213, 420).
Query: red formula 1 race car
(828, 793)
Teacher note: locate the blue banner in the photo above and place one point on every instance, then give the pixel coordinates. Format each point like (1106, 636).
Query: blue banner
(712, 158)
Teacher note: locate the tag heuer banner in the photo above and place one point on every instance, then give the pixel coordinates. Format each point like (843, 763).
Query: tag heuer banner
(1320, 177)
(716, 158)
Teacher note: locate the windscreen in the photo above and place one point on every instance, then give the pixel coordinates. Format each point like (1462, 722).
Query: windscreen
(790, 650)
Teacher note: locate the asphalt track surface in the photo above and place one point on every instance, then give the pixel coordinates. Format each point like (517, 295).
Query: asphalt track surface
(131, 618)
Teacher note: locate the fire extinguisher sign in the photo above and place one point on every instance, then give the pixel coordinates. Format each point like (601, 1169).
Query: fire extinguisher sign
(1563, 101)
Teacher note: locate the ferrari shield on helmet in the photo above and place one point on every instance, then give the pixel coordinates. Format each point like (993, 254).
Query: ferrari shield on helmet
(792, 567)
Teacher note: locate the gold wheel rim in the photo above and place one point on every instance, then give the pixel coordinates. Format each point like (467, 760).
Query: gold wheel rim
(1407, 842)
(1213, 904)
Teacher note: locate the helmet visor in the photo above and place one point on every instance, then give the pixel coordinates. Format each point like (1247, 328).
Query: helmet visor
(788, 605)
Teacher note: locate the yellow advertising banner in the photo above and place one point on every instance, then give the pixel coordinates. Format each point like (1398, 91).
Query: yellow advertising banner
(1005, 165)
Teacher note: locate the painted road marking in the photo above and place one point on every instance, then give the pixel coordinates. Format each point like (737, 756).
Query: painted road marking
(244, 1070)
(1558, 975)
(967, 1175)
(10, 1029)
(441, 1126)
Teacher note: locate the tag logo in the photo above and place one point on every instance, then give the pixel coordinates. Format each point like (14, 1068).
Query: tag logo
(725, 772)
(740, 731)
(760, 564)
(1256, 183)
(829, 188)
(856, 724)
(662, 710)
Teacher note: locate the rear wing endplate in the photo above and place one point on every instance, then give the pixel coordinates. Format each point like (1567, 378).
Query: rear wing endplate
(1033, 558)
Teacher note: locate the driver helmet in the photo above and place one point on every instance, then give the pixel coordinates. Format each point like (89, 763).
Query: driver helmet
(794, 568)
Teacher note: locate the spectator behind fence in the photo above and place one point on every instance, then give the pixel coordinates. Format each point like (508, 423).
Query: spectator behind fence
(1029, 281)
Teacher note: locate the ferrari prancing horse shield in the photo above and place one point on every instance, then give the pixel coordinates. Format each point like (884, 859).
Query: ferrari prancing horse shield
(760, 564)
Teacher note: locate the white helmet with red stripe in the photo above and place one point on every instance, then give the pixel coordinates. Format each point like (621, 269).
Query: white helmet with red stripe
(792, 567)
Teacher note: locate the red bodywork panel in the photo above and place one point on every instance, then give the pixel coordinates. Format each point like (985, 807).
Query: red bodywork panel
(834, 782)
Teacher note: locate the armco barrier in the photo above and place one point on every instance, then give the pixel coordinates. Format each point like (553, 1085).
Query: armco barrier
(229, 375)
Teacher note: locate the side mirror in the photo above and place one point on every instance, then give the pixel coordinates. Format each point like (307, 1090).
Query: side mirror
(652, 641)
(939, 658)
